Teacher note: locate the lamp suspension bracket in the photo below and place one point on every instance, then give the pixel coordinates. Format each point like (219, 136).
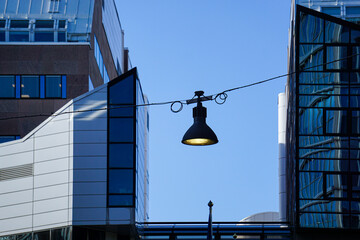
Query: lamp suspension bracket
(199, 134)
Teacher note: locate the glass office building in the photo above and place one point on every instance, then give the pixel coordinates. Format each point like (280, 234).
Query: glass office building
(323, 124)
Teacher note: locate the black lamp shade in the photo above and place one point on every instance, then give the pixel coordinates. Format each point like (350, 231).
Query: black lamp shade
(199, 134)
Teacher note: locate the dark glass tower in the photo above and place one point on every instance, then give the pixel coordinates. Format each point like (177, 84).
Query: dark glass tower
(323, 123)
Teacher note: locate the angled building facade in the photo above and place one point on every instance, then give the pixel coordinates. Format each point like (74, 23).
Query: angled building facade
(82, 173)
(322, 143)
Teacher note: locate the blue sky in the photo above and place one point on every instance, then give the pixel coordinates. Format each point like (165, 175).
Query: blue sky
(211, 45)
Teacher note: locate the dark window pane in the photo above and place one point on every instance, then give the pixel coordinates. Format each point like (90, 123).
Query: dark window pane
(355, 77)
(324, 78)
(62, 23)
(42, 235)
(336, 57)
(7, 86)
(121, 181)
(60, 234)
(44, 36)
(311, 57)
(336, 185)
(355, 184)
(7, 138)
(121, 155)
(324, 206)
(53, 86)
(122, 92)
(44, 24)
(325, 141)
(355, 36)
(355, 101)
(323, 89)
(336, 122)
(355, 122)
(96, 235)
(2, 36)
(119, 111)
(19, 36)
(121, 129)
(352, 10)
(311, 29)
(25, 236)
(310, 185)
(311, 121)
(356, 58)
(336, 33)
(61, 37)
(331, 10)
(79, 233)
(321, 220)
(2, 23)
(19, 23)
(120, 200)
(30, 87)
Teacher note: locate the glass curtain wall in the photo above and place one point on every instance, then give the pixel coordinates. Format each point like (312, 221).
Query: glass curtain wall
(127, 145)
(121, 141)
(327, 97)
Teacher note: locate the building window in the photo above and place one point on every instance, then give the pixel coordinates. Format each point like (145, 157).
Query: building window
(91, 86)
(44, 31)
(44, 36)
(352, 10)
(33, 30)
(53, 86)
(61, 37)
(19, 24)
(8, 138)
(44, 24)
(62, 24)
(33, 86)
(15, 36)
(335, 11)
(30, 87)
(7, 89)
(100, 61)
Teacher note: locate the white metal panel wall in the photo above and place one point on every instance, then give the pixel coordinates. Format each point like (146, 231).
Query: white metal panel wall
(16, 193)
(40, 200)
(90, 159)
(52, 174)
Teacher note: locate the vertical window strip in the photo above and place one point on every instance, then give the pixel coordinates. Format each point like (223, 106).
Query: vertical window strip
(100, 61)
(42, 86)
(17, 86)
(63, 86)
(91, 86)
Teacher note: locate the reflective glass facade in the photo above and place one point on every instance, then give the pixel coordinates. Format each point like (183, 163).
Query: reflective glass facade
(323, 137)
(127, 145)
(70, 20)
